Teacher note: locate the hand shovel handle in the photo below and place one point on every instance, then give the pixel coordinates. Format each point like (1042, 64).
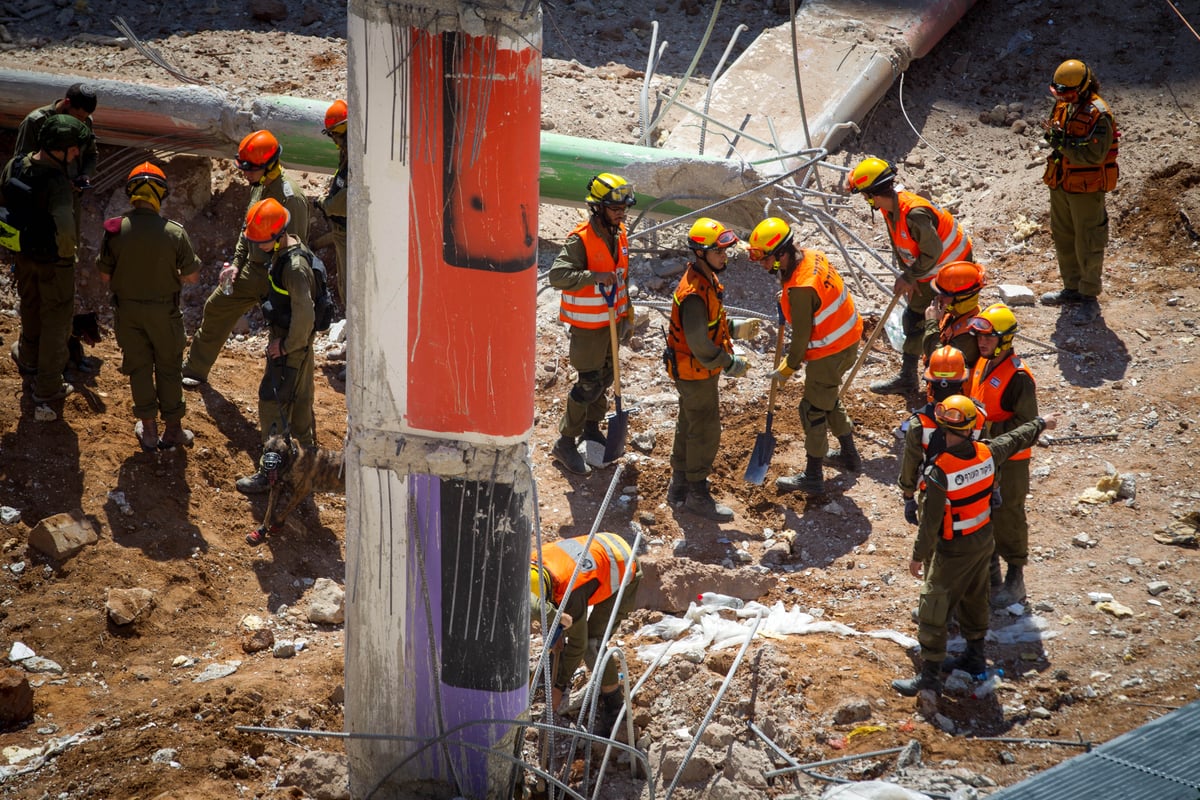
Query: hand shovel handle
(610, 297)
(887, 312)
(774, 383)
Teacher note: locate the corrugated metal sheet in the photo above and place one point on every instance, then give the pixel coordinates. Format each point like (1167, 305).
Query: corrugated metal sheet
(1158, 761)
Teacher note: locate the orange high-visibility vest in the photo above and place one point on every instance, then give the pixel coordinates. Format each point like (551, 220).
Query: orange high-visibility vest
(585, 307)
(681, 364)
(606, 559)
(1079, 122)
(956, 244)
(968, 491)
(987, 391)
(836, 324)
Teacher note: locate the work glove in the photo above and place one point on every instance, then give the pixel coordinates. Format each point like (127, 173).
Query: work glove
(1056, 137)
(746, 328)
(910, 511)
(782, 372)
(737, 367)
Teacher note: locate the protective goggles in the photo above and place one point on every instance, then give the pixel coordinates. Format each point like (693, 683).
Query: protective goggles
(336, 130)
(982, 327)
(724, 239)
(952, 416)
(617, 195)
(247, 166)
(1063, 92)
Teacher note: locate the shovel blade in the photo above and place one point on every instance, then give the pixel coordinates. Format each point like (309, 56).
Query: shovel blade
(614, 443)
(760, 459)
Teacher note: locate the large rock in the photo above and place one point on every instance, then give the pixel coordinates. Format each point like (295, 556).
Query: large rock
(127, 605)
(327, 603)
(325, 776)
(670, 584)
(63, 535)
(16, 697)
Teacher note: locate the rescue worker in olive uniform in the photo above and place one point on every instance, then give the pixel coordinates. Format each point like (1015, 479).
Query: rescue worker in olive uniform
(946, 375)
(1080, 170)
(956, 290)
(592, 602)
(285, 395)
(38, 186)
(334, 203)
(258, 159)
(955, 538)
(924, 238)
(594, 258)
(826, 330)
(1003, 386)
(699, 350)
(79, 103)
(145, 259)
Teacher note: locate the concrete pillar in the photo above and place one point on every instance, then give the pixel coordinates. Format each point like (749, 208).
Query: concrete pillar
(444, 128)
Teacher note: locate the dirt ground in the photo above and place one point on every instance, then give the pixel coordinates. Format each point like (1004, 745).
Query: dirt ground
(127, 693)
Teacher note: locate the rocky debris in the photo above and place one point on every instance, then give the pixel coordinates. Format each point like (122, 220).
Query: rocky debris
(16, 697)
(125, 606)
(254, 641)
(326, 603)
(323, 776)
(62, 536)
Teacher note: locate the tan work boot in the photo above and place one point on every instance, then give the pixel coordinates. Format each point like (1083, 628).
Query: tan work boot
(146, 431)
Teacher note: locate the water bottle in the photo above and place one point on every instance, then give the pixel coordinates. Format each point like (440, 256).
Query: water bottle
(715, 600)
(227, 279)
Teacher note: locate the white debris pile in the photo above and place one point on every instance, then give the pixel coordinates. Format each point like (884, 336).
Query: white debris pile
(703, 628)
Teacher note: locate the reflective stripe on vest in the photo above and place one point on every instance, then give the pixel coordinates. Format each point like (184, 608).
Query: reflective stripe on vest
(585, 307)
(681, 363)
(605, 561)
(836, 325)
(968, 491)
(955, 242)
(988, 387)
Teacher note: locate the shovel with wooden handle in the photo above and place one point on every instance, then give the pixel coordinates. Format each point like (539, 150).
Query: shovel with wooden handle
(764, 443)
(618, 421)
(887, 312)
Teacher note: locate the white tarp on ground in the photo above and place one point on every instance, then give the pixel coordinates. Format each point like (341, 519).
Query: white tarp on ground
(703, 628)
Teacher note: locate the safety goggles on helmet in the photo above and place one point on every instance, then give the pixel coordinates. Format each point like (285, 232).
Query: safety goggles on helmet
(952, 416)
(619, 197)
(249, 166)
(724, 239)
(1068, 94)
(983, 327)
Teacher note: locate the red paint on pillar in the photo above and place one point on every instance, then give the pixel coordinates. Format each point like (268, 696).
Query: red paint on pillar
(473, 245)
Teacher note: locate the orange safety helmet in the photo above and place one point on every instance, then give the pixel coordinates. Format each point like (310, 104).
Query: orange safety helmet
(335, 118)
(959, 280)
(957, 412)
(266, 221)
(147, 174)
(946, 365)
(258, 150)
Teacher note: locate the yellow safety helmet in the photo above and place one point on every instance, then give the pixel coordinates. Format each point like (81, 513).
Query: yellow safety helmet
(871, 176)
(768, 238)
(1070, 80)
(708, 234)
(607, 189)
(997, 320)
(957, 412)
(539, 583)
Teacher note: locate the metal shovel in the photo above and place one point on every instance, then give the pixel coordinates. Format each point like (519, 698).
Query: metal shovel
(862, 356)
(764, 443)
(618, 421)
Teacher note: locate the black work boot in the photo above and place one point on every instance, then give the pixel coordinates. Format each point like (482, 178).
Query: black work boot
(677, 489)
(973, 662)
(566, 452)
(1061, 298)
(592, 433)
(846, 456)
(904, 382)
(607, 709)
(258, 483)
(700, 502)
(1013, 590)
(810, 481)
(930, 679)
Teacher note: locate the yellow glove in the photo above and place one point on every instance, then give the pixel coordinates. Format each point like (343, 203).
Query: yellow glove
(782, 372)
(747, 328)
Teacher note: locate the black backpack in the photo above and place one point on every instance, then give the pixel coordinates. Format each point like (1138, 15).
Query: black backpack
(26, 225)
(322, 303)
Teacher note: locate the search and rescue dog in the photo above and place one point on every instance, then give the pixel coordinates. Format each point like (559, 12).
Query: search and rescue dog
(298, 472)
